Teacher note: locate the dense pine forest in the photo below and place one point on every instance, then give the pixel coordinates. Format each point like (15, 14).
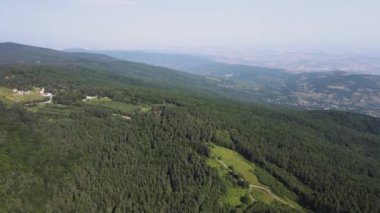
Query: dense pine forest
(142, 144)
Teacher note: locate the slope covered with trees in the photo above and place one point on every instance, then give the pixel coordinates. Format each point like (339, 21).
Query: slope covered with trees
(73, 154)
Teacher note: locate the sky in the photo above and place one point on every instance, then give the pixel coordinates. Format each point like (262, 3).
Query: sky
(192, 24)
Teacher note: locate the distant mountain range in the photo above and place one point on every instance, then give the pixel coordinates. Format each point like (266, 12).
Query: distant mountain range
(19, 53)
(174, 61)
(336, 90)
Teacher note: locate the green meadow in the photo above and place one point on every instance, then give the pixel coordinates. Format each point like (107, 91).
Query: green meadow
(226, 162)
(8, 96)
(119, 106)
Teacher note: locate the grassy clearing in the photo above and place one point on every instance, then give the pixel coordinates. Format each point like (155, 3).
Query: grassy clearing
(53, 110)
(212, 162)
(238, 163)
(125, 107)
(262, 196)
(234, 192)
(234, 196)
(35, 108)
(108, 103)
(8, 96)
(223, 136)
(146, 109)
(276, 186)
(246, 169)
(164, 105)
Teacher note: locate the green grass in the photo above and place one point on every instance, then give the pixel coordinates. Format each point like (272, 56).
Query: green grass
(165, 105)
(212, 162)
(8, 96)
(35, 108)
(53, 111)
(234, 195)
(238, 162)
(223, 136)
(108, 103)
(145, 109)
(261, 195)
(234, 192)
(247, 169)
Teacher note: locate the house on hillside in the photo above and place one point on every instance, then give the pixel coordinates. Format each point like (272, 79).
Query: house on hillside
(21, 92)
(48, 94)
(91, 97)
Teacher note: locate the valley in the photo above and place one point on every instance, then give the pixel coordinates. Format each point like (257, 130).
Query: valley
(327, 90)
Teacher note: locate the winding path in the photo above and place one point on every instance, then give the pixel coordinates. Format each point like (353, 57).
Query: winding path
(271, 194)
(259, 187)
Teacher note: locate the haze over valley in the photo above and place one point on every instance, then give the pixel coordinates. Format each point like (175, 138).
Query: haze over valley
(323, 90)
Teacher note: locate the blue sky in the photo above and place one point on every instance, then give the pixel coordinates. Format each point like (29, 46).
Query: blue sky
(191, 24)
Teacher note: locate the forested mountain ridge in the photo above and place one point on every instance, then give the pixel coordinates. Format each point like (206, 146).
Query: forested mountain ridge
(11, 53)
(117, 143)
(144, 74)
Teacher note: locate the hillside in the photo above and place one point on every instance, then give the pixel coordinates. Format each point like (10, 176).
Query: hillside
(11, 53)
(125, 71)
(127, 137)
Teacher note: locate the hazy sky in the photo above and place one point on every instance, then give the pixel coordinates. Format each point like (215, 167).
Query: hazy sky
(191, 24)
